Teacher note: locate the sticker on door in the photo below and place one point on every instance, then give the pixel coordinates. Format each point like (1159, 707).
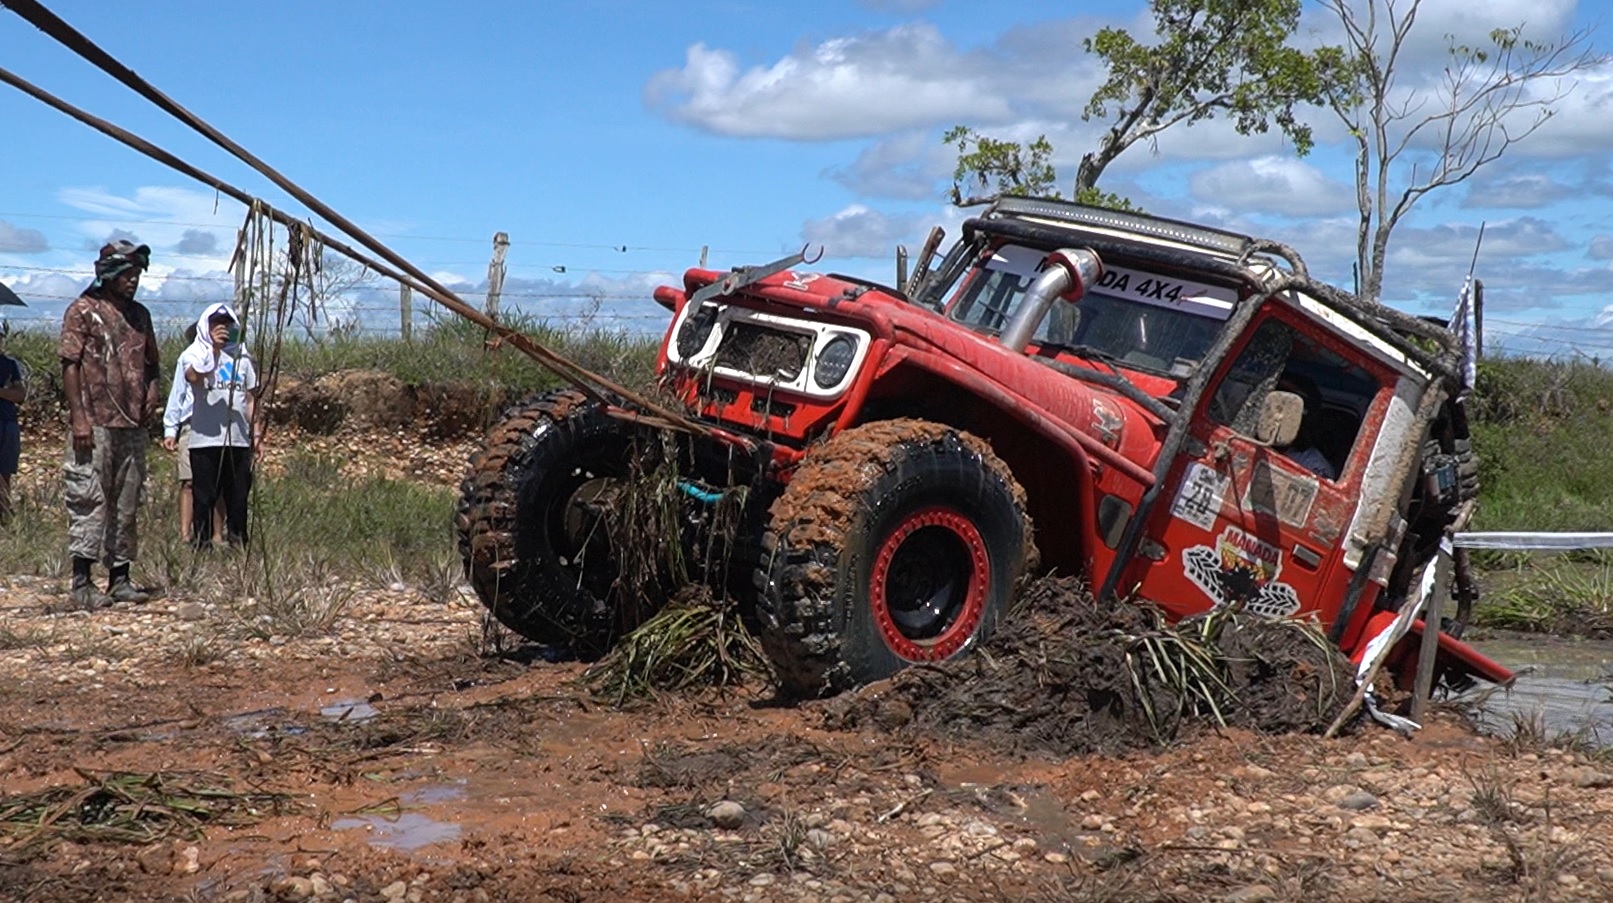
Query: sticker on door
(1241, 568)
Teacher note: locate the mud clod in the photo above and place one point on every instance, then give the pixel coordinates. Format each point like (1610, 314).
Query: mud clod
(1065, 676)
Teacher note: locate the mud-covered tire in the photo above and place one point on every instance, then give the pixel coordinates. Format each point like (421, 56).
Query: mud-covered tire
(533, 560)
(895, 542)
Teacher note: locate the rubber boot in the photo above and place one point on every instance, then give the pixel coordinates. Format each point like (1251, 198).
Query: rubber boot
(82, 594)
(122, 590)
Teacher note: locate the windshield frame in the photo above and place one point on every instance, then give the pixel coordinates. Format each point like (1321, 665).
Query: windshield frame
(1184, 314)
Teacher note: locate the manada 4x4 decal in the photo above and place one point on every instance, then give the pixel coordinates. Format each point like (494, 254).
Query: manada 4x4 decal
(1241, 569)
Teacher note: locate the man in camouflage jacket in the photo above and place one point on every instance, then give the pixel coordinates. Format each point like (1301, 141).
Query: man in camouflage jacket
(109, 374)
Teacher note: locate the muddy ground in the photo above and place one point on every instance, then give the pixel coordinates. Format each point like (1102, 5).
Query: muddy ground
(152, 753)
(387, 761)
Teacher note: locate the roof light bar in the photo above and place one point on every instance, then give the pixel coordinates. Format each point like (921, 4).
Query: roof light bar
(1208, 239)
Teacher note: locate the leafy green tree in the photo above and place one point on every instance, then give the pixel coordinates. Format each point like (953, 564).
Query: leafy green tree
(1213, 58)
(1000, 167)
(1413, 139)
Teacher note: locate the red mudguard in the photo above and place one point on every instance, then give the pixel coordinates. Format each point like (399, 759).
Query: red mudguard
(1454, 655)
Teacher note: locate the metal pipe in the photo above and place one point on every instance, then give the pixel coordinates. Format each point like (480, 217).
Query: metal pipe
(1069, 272)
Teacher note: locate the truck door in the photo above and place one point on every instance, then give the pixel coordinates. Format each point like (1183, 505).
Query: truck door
(1243, 523)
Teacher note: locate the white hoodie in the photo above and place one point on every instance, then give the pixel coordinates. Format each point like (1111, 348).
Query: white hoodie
(198, 355)
(219, 408)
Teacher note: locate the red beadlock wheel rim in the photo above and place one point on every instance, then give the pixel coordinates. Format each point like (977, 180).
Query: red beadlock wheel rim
(929, 584)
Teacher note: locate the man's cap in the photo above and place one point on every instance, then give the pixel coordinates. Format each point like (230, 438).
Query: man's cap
(123, 248)
(118, 256)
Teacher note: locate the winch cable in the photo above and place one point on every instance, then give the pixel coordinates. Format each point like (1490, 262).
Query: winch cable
(591, 383)
(167, 159)
(255, 206)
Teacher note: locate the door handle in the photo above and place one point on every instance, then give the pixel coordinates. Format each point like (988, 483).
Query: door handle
(1308, 558)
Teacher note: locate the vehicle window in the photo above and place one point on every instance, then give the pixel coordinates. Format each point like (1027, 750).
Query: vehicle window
(1336, 392)
(1138, 319)
(1152, 338)
(1237, 400)
(989, 299)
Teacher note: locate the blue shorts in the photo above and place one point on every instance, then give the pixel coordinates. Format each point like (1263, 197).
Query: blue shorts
(10, 447)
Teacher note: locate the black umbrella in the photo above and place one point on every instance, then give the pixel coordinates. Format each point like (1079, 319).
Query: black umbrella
(7, 296)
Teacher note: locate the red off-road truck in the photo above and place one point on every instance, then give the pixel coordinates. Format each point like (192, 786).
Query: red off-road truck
(1176, 413)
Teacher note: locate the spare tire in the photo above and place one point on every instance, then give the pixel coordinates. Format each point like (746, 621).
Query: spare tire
(531, 522)
(895, 542)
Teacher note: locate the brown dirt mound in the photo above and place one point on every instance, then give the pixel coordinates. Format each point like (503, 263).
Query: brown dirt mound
(376, 400)
(1065, 676)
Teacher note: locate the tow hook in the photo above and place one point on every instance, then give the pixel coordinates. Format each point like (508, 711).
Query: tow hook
(703, 496)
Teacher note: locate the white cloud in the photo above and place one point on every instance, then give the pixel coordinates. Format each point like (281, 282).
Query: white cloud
(1034, 79)
(1513, 261)
(907, 77)
(161, 216)
(197, 243)
(1466, 21)
(1492, 188)
(1574, 337)
(47, 296)
(1582, 120)
(1525, 236)
(857, 231)
(39, 287)
(17, 240)
(188, 290)
(909, 166)
(1273, 185)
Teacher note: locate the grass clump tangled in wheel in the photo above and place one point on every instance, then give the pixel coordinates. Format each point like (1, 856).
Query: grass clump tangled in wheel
(553, 526)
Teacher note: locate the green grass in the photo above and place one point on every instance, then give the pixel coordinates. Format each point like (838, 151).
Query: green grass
(1550, 594)
(442, 350)
(311, 526)
(1543, 432)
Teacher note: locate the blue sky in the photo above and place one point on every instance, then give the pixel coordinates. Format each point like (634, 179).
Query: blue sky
(615, 140)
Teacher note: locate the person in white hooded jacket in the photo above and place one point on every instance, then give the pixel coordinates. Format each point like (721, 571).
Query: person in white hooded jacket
(176, 439)
(223, 424)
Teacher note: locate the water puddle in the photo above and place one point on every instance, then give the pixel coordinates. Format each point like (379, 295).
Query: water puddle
(1049, 821)
(436, 793)
(1565, 683)
(262, 723)
(348, 710)
(406, 832)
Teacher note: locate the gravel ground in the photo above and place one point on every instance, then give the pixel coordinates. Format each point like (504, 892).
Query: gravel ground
(415, 770)
(406, 763)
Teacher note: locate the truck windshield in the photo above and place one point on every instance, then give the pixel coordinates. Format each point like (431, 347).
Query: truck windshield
(1161, 324)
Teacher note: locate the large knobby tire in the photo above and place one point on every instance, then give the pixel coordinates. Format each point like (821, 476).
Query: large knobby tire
(533, 539)
(895, 542)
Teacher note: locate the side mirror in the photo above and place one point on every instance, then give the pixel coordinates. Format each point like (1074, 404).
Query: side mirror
(1280, 415)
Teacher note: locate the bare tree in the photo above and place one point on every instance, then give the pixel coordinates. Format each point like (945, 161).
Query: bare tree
(1411, 141)
(330, 284)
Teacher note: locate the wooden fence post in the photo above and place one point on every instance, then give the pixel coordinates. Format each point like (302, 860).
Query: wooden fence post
(1428, 652)
(495, 288)
(406, 311)
(495, 273)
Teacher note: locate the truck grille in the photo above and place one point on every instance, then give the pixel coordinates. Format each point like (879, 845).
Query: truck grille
(763, 352)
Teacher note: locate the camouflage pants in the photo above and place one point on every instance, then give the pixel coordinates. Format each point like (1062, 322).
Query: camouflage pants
(103, 489)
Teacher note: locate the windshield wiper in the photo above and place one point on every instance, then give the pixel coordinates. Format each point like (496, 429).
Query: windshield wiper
(1086, 351)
